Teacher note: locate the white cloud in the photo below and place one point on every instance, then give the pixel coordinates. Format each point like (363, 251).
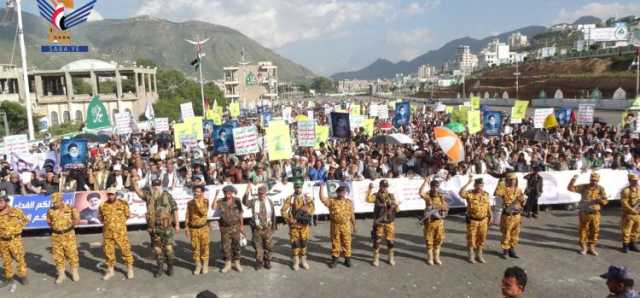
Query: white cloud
(409, 44)
(94, 16)
(275, 23)
(600, 10)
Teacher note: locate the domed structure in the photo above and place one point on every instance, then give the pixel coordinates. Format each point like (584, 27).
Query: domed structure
(86, 64)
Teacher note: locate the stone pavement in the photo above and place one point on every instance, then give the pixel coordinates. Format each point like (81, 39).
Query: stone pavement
(548, 252)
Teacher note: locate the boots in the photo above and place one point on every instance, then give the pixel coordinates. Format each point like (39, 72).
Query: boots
(296, 263)
(430, 257)
(23, 280)
(267, 264)
(303, 262)
(505, 253)
(75, 276)
(61, 276)
(159, 268)
(334, 261)
(512, 253)
(227, 267)
(170, 268)
(479, 256)
(347, 262)
(592, 250)
(6, 283)
(198, 268)
(205, 267)
(236, 265)
(583, 250)
(471, 254)
(376, 258)
(109, 274)
(436, 256)
(130, 274)
(625, 248)
(633, 247)
(392, 259)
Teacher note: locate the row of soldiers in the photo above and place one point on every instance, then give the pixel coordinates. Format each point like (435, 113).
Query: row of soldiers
(297, 210)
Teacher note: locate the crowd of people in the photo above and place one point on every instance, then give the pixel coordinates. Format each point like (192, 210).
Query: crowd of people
(150, 165)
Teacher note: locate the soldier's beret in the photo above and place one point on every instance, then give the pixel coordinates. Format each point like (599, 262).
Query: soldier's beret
(384, 183)
(229, 188)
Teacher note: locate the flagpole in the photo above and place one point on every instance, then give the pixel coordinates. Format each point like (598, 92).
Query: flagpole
(25, 76)
(201, 85)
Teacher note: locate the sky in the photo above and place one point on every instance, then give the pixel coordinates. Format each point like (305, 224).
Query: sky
(329, 36)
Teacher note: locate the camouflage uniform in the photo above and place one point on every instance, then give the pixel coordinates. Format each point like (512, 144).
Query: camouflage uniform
(230, 221)
(341, 212)
(196, 222)
(433, 227)
(113, 216)
(298, 233)
(262, 228)
(11, 246)
(384, 217)
(478, 214)
(589, 229)
(161, 208)
(630, 224)
(510, 223)
(63, 237)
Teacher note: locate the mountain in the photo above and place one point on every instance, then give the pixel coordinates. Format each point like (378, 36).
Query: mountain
(588, 20)
(385, 69)
(125, 40)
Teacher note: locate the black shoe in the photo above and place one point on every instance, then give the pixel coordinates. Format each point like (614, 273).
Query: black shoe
(24, 280)
(6, 283)
(267, 264)
(258, 266)
(633, 247)
(347, 261)
(535, 215)
(512, 253)
(170, 269)
(158, 272)
(625, 248)
(505, 253)
(334, 261)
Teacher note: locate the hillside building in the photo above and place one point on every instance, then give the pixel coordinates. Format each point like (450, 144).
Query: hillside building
(466, 62)
(518, 40)
(426, 72)
(251, 84)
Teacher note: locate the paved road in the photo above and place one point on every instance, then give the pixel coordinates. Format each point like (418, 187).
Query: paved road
(548, 253)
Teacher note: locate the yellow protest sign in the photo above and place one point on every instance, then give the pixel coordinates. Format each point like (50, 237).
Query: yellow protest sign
(474, 123)
(448, 109)
(234, 109)
(460, 115)
(279, 141)
(184, 132)
(475, 102)
(368, 125)
(195, 123)
(322, 135)
(624, 117)
(550, 121)
(356, 109)
(519, 110)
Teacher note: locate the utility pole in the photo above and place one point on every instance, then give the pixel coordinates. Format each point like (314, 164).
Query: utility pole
(637, 71)
(517, 74)
(7, 130)
(199, 49)
(25, 76)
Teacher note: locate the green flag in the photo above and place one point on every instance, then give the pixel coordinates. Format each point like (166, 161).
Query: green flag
(97, 114)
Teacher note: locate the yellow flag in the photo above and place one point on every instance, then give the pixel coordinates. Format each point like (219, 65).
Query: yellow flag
(475, 102)
(448, 109)
(322, 135)
(234, 109)
(356, 109)
(460, 115)
(519, 110)
(624, 117)
(279, 141)
(474, 123)
(550, 121)
(195, 124)
(181, 132)
(209, 114)
(368, 124)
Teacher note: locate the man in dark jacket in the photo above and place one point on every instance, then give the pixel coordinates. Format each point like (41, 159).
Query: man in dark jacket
(533, 192)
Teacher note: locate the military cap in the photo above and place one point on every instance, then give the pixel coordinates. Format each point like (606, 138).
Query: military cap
(632, 176)
(156, 182)
(478, 181)
(618, 273)
(341, 189)
(384, 183)
(595, 176)
(229, 188)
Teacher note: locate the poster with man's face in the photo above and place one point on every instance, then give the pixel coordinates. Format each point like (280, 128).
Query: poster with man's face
(73, 153)
(563, 115)
(340, 125)
(207, 127)
(88, 203)
(403, 114)
(223, 139)
(492, 123)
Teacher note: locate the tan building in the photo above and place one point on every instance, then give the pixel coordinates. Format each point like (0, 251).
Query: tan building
(63, 95)
(466, 61)
(251, 84)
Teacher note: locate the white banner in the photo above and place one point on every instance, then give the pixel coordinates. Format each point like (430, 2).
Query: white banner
(286, 114)
(307, 133)
(161, 124)
(16, 144)
(245, 140)
(585, 114)
(355, 121)
(186, 110)
(539, 116)
(123, 123)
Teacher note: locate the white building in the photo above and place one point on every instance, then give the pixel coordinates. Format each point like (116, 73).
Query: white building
(546, 52)
(426, 72)
(252, 84)
(518, 40)
(353, 86)
(496, 53)
(465, 61)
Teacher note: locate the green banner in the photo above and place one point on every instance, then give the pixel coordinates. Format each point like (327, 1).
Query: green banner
(97, 114)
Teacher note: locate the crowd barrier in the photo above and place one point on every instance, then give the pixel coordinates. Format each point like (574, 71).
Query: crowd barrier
(405, 190)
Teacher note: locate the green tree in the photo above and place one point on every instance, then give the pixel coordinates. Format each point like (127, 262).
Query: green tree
(322, 85)
(17, 118)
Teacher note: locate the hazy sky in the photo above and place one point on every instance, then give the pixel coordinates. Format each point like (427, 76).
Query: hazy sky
(329, 36)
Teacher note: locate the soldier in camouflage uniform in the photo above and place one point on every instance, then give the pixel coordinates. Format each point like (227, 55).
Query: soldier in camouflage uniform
(593, 197)
(384, 214)
(630, 224)
(435, 207)
(231, 226)
(163, 223)
(61, 219)
(297, 211)
(113, 214)
(197, 229)
(478, 218)
(511, 220)
(343, 223)
(12, 221)
(263, 223)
